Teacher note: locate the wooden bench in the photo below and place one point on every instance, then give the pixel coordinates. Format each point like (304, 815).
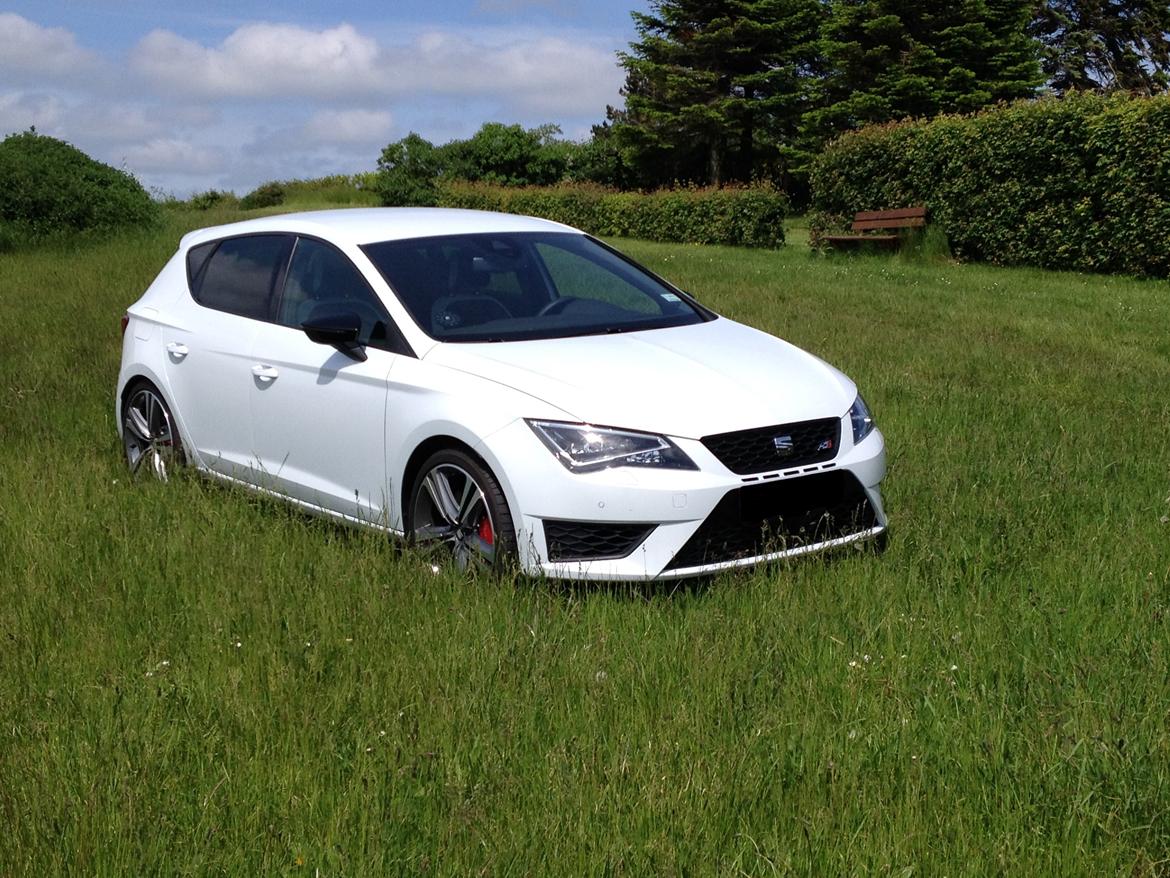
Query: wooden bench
(891, 222)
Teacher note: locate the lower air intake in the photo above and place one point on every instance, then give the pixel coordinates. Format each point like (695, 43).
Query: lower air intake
(591, 540)
(778, 516)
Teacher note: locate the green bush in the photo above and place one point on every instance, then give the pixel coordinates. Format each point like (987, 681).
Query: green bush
(749, 217)
(1080, 183)
(213, 198)
(50, 189)
(266, 195)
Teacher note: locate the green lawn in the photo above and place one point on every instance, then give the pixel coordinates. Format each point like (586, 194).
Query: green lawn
(194, 680)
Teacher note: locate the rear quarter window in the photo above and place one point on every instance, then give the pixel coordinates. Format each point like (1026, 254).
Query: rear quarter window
(238, 275)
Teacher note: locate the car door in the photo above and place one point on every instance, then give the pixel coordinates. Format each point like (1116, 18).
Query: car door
(208, 349)
(319, 411)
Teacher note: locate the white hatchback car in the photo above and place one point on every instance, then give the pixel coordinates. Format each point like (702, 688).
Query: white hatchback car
(501, 386)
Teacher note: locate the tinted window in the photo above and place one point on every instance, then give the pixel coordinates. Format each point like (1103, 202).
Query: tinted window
(322, 281)
(240, 275)
(513, 286)
(197, 261)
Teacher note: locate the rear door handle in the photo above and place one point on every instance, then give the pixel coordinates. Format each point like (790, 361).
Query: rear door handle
(265, 373)
(177, 350)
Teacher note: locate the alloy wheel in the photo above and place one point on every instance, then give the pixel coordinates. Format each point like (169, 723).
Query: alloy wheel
(149, 435)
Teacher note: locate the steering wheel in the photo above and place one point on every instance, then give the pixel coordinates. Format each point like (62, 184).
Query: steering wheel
(556, 306)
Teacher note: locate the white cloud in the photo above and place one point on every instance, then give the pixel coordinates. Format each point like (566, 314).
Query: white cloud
(171, 155)
(279, 100)
(262, 60)
(40, 51)
(19, 111)
(349, 127)
(521, 72)
(537, 73)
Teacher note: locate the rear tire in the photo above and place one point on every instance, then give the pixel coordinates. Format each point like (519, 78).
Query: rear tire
(457, 508)
(149, 434)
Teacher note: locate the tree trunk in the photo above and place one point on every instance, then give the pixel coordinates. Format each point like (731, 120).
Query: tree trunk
(747, 136)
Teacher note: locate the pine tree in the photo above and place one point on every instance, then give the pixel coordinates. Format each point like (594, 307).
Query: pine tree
(1105, 45)
(710, 82)
(892, 59)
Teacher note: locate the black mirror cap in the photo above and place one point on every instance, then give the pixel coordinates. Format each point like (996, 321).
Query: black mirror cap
(340, 329)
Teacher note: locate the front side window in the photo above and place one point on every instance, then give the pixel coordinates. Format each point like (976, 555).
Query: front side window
(322, 281)
(240, 274)
(525, 285)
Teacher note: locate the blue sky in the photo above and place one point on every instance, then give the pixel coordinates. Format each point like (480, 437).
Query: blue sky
(227, 95)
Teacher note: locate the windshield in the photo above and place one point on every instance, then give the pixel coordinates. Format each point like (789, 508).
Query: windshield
(525, 285)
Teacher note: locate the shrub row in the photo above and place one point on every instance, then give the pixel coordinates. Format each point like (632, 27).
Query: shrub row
(748, 217)
(53, 190)
(1080, 183)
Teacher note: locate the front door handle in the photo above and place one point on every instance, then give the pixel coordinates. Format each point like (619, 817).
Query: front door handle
(265, 373)
(177, 350)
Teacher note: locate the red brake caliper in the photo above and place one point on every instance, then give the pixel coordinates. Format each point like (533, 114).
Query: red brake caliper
(485, 531)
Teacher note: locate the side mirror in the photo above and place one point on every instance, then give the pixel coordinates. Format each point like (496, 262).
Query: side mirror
(340, 329)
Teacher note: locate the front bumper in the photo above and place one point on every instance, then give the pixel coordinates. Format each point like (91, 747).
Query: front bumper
(640, 523)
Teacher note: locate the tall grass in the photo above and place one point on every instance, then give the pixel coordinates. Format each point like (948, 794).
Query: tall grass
(195, 680)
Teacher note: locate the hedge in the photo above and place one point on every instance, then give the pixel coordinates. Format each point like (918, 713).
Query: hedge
(1080, 183)
(748, 217)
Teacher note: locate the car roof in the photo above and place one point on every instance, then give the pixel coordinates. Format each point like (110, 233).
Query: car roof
(365, 225)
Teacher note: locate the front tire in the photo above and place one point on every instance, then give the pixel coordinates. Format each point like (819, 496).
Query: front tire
(149, 435)
(457, 508)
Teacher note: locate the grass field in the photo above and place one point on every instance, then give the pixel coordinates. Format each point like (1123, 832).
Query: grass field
(194, 680)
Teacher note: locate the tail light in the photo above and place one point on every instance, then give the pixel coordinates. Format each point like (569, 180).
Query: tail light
(125, 322)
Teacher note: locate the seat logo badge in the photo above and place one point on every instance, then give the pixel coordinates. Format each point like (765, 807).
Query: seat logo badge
(783, 444)
(826, 445)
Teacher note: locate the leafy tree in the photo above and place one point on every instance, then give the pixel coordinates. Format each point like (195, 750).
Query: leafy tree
(1105, 45)
(892, 59)
(711, 85)
(408, 170)
(509, 155)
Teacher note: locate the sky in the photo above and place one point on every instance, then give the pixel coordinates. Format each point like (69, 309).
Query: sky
(227, 95)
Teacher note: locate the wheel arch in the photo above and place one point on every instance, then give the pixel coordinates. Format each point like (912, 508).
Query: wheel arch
(422, 451)
(128, 383)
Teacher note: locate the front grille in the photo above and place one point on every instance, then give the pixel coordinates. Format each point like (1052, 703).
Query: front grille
(591, 540)
(777, 516)
(764, 449)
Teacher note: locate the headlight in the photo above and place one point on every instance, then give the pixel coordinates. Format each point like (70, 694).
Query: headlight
(861, 418)
(583, 448)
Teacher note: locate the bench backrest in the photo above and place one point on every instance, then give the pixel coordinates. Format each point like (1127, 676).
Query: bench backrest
(902, 218)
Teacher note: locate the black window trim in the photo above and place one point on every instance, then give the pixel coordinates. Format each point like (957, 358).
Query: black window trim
(194, 284)
(396, 342)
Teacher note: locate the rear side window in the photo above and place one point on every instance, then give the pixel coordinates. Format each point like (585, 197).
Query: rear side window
(240, 275)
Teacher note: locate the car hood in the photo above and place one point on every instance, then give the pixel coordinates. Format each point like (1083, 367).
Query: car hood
(689, 381)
